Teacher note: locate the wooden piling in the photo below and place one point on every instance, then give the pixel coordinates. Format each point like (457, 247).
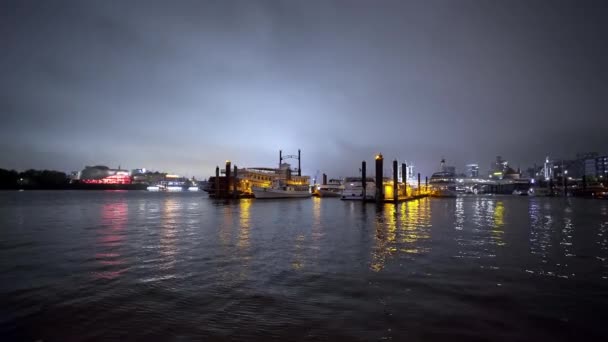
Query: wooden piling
(426, 183)
(419, 183)
(234, 183)
(379, 183)
(364, 180)
(404, 176)
(217, 181)
(395, 181)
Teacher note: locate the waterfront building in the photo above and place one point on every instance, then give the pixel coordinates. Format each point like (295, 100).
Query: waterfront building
(597, 167)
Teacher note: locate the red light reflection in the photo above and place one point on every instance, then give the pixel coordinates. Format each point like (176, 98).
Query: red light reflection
(113, 219)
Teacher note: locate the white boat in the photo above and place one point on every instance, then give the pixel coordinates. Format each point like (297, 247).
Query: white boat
(443, 183)
(333, 188)
(539, 192)
(281, 189)
(353, 189)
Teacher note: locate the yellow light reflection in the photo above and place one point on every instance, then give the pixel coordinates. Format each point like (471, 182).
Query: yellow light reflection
(225, 231)
(168, 233)
(244, 223)
(415, 227)
(317, 232)
(297, 262)
(386, 233)
(498, 232)
(378, 252)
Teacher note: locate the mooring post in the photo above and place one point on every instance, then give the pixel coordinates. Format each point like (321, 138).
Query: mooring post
(364, 180)
(395, 181)
(565, 186)
(228, 174)
(234, 183)
(404, 176)
(217, 181)
(379, 173)
(419, 184)
(426, 183)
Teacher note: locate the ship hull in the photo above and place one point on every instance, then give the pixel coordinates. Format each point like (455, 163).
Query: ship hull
(444, 193)
(351, 196)
(269, 193)
(328, 193)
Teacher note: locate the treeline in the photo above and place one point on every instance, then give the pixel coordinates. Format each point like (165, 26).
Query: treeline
(33, 179)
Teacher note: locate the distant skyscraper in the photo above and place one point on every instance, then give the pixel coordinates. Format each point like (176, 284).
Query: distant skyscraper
(473, 170)
(597, 167)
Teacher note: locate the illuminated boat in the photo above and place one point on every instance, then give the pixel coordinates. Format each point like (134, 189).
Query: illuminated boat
(353, 189)
(333, 188)
(171, 183)
(281, 189)
(443, 183)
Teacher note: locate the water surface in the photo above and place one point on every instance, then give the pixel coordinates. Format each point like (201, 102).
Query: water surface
(88, 265)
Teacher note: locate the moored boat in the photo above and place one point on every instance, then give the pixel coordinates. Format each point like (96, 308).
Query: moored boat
(353, 189)
(333, 188)
(443, 183)
(281, 189)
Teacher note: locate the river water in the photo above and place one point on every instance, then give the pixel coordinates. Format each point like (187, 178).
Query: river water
(87, 265)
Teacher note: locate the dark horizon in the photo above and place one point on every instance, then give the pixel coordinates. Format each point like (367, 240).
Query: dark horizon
(183, 86)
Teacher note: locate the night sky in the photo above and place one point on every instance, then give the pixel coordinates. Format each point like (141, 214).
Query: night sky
(182, 86)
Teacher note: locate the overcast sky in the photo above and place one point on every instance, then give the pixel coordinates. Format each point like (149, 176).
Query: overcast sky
(182, 86)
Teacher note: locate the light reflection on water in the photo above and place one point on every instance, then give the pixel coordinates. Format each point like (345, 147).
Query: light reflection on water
(474, 267)
(110, 240)
(169, 232)
(400, 228)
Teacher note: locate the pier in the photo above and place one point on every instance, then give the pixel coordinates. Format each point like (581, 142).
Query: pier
(392, 190)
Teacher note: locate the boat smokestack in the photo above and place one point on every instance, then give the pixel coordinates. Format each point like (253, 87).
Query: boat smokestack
(299, 164)
(228, 174)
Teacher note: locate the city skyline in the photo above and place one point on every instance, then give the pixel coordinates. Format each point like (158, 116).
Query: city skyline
(184, 86)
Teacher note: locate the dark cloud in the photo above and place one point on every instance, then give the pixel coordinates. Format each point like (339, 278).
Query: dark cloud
(184, 85)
